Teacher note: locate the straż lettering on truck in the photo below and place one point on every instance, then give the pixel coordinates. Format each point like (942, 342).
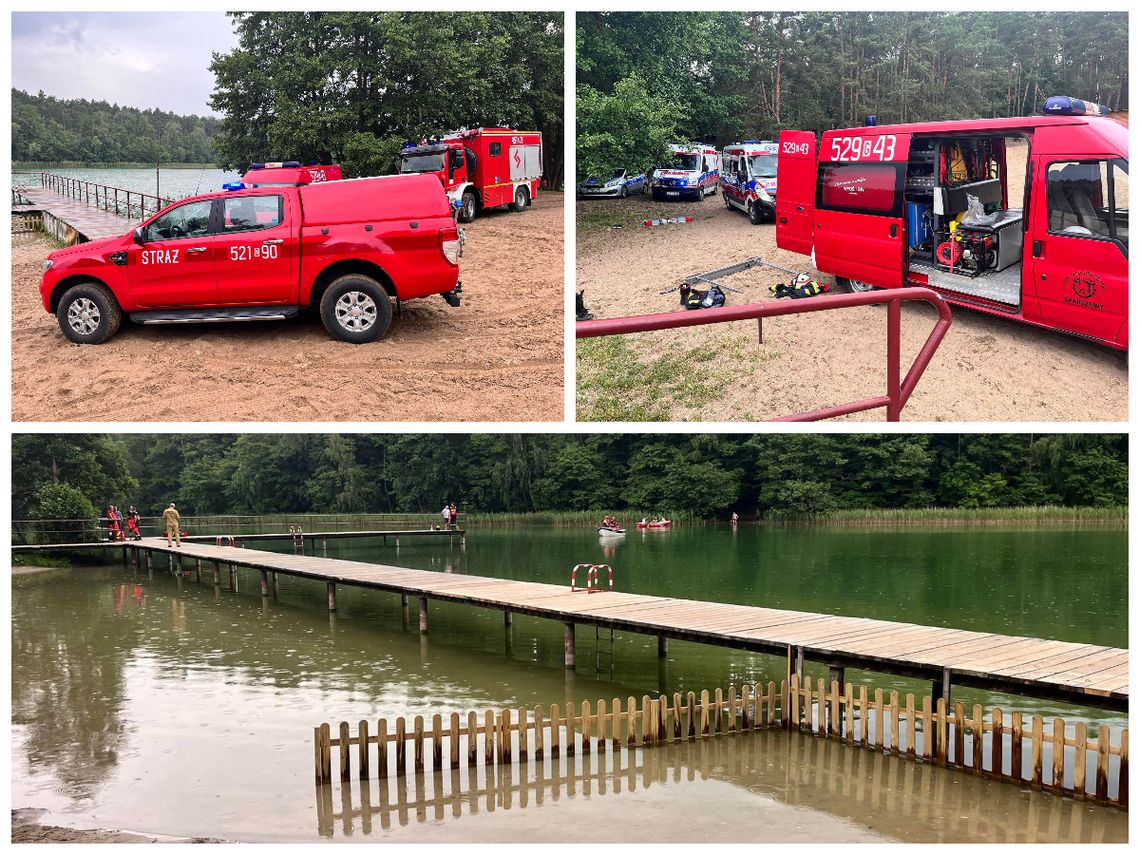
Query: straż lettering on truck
(481, 168)
(344, 248)
(748, 178)
(1026, 218)
(691, 173)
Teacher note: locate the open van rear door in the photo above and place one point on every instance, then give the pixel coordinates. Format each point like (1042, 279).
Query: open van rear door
(860, 226)
(795, 191)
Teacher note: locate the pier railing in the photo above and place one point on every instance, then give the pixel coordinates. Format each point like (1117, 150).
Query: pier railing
(89, 530)
(132, 204)
(994, 744)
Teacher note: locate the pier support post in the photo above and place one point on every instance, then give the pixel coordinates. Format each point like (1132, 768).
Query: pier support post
(332, 596)
(568, 650)
(941, 689)
(507, 619)
(276, 588)
(233, 578)
(150, 564)
(799, 661)
(265, 583)
(404, 600)
(662, 646)
(423, 615)
(217, 575)
(835, 675)
(198, 570)
(126, 558)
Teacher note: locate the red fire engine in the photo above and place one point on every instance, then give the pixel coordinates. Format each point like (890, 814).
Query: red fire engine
(944, 205)
(481, 168)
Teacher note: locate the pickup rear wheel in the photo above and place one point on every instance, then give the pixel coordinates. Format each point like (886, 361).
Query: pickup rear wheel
(88, 313)
(522, 200)
(356, 309)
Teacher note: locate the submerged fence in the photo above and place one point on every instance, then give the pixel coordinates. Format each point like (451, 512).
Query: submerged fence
(1062, 759)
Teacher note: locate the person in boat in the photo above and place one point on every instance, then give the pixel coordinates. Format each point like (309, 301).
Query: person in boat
(644, 521)
(609, 522)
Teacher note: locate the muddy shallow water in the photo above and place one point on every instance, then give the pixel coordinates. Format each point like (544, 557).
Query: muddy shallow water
(165, 706)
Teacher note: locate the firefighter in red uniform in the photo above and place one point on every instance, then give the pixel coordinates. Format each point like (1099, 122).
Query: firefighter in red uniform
(133, 523)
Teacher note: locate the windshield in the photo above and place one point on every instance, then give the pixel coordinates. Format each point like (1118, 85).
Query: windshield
(763, 165)
(686, 162)
(429, 162)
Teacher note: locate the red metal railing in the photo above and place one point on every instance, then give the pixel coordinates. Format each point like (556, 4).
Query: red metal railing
(898, 391)
(131, 204)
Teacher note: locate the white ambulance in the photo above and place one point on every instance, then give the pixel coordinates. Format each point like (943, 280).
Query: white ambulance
(748, 178)
(692, 172)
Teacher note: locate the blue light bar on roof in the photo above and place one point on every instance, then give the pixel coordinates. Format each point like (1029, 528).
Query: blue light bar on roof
(233, 185)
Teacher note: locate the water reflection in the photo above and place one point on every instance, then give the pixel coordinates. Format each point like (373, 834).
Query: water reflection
(888, 795)
(68, 684)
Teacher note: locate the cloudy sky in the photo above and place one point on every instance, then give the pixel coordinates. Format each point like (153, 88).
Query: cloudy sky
(134, 59)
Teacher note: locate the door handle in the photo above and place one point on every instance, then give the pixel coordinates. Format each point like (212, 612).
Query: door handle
(195, 249)
(894, 230)
(1038, 248)
(783, 219)
(799, 209)
(274, 241)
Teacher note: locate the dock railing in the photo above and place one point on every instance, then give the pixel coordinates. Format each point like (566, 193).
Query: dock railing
(90, 530)
(898, 391)
(132, 204)
(994, 744)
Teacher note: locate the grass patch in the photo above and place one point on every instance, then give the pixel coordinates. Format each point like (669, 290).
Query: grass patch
(616, 384)
(21, 559)
(1032, 514)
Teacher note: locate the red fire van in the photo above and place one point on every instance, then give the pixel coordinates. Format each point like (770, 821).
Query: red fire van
(1021, 217)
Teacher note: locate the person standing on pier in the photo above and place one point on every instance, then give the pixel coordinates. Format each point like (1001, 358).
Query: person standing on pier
(133, 523)
(446, 513)
(453, 519)
(173, 525)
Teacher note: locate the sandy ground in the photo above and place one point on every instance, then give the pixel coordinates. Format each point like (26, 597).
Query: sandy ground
(26, 830)
(501, 352)
(987, 368)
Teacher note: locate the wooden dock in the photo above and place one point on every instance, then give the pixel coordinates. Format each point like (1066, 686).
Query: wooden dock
(211, 539)
(1086, 674)
(77, 221)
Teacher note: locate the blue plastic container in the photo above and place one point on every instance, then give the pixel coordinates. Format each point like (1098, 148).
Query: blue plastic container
(918, 224)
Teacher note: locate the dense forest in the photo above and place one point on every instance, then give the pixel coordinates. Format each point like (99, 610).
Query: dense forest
(352, 87)
(71, 476)
(54, 130)
(724, 76)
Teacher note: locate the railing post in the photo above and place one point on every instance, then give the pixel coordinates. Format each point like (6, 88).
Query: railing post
(894, 393)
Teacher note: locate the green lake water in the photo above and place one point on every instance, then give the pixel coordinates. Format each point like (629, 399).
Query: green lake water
(173, 183)
(171, 707)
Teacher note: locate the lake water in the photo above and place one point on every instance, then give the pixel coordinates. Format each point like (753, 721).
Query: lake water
(173, 183)
(171, 707)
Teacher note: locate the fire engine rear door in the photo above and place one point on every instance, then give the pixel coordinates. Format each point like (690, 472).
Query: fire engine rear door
(795, 195)
(860, 227)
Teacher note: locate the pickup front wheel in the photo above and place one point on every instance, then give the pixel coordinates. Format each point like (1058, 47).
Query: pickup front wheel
(356, 309)
(88, 313)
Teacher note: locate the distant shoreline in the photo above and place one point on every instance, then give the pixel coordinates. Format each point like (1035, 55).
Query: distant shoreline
(39, 166)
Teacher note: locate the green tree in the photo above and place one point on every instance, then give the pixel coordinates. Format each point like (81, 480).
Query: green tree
(629, 129)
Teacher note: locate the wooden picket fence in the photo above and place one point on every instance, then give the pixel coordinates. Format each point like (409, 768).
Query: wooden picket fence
(859, 718)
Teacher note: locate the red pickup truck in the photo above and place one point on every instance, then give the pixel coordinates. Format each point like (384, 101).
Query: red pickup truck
(345, 247)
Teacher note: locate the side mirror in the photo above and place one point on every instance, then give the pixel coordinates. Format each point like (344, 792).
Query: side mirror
(138, 233)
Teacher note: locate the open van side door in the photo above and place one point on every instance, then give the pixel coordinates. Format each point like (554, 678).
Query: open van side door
(795, 195)
(860, 225)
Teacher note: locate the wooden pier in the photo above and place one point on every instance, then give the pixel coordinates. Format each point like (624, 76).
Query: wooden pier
(75, 211)
(395, 534)
(1086, 674)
